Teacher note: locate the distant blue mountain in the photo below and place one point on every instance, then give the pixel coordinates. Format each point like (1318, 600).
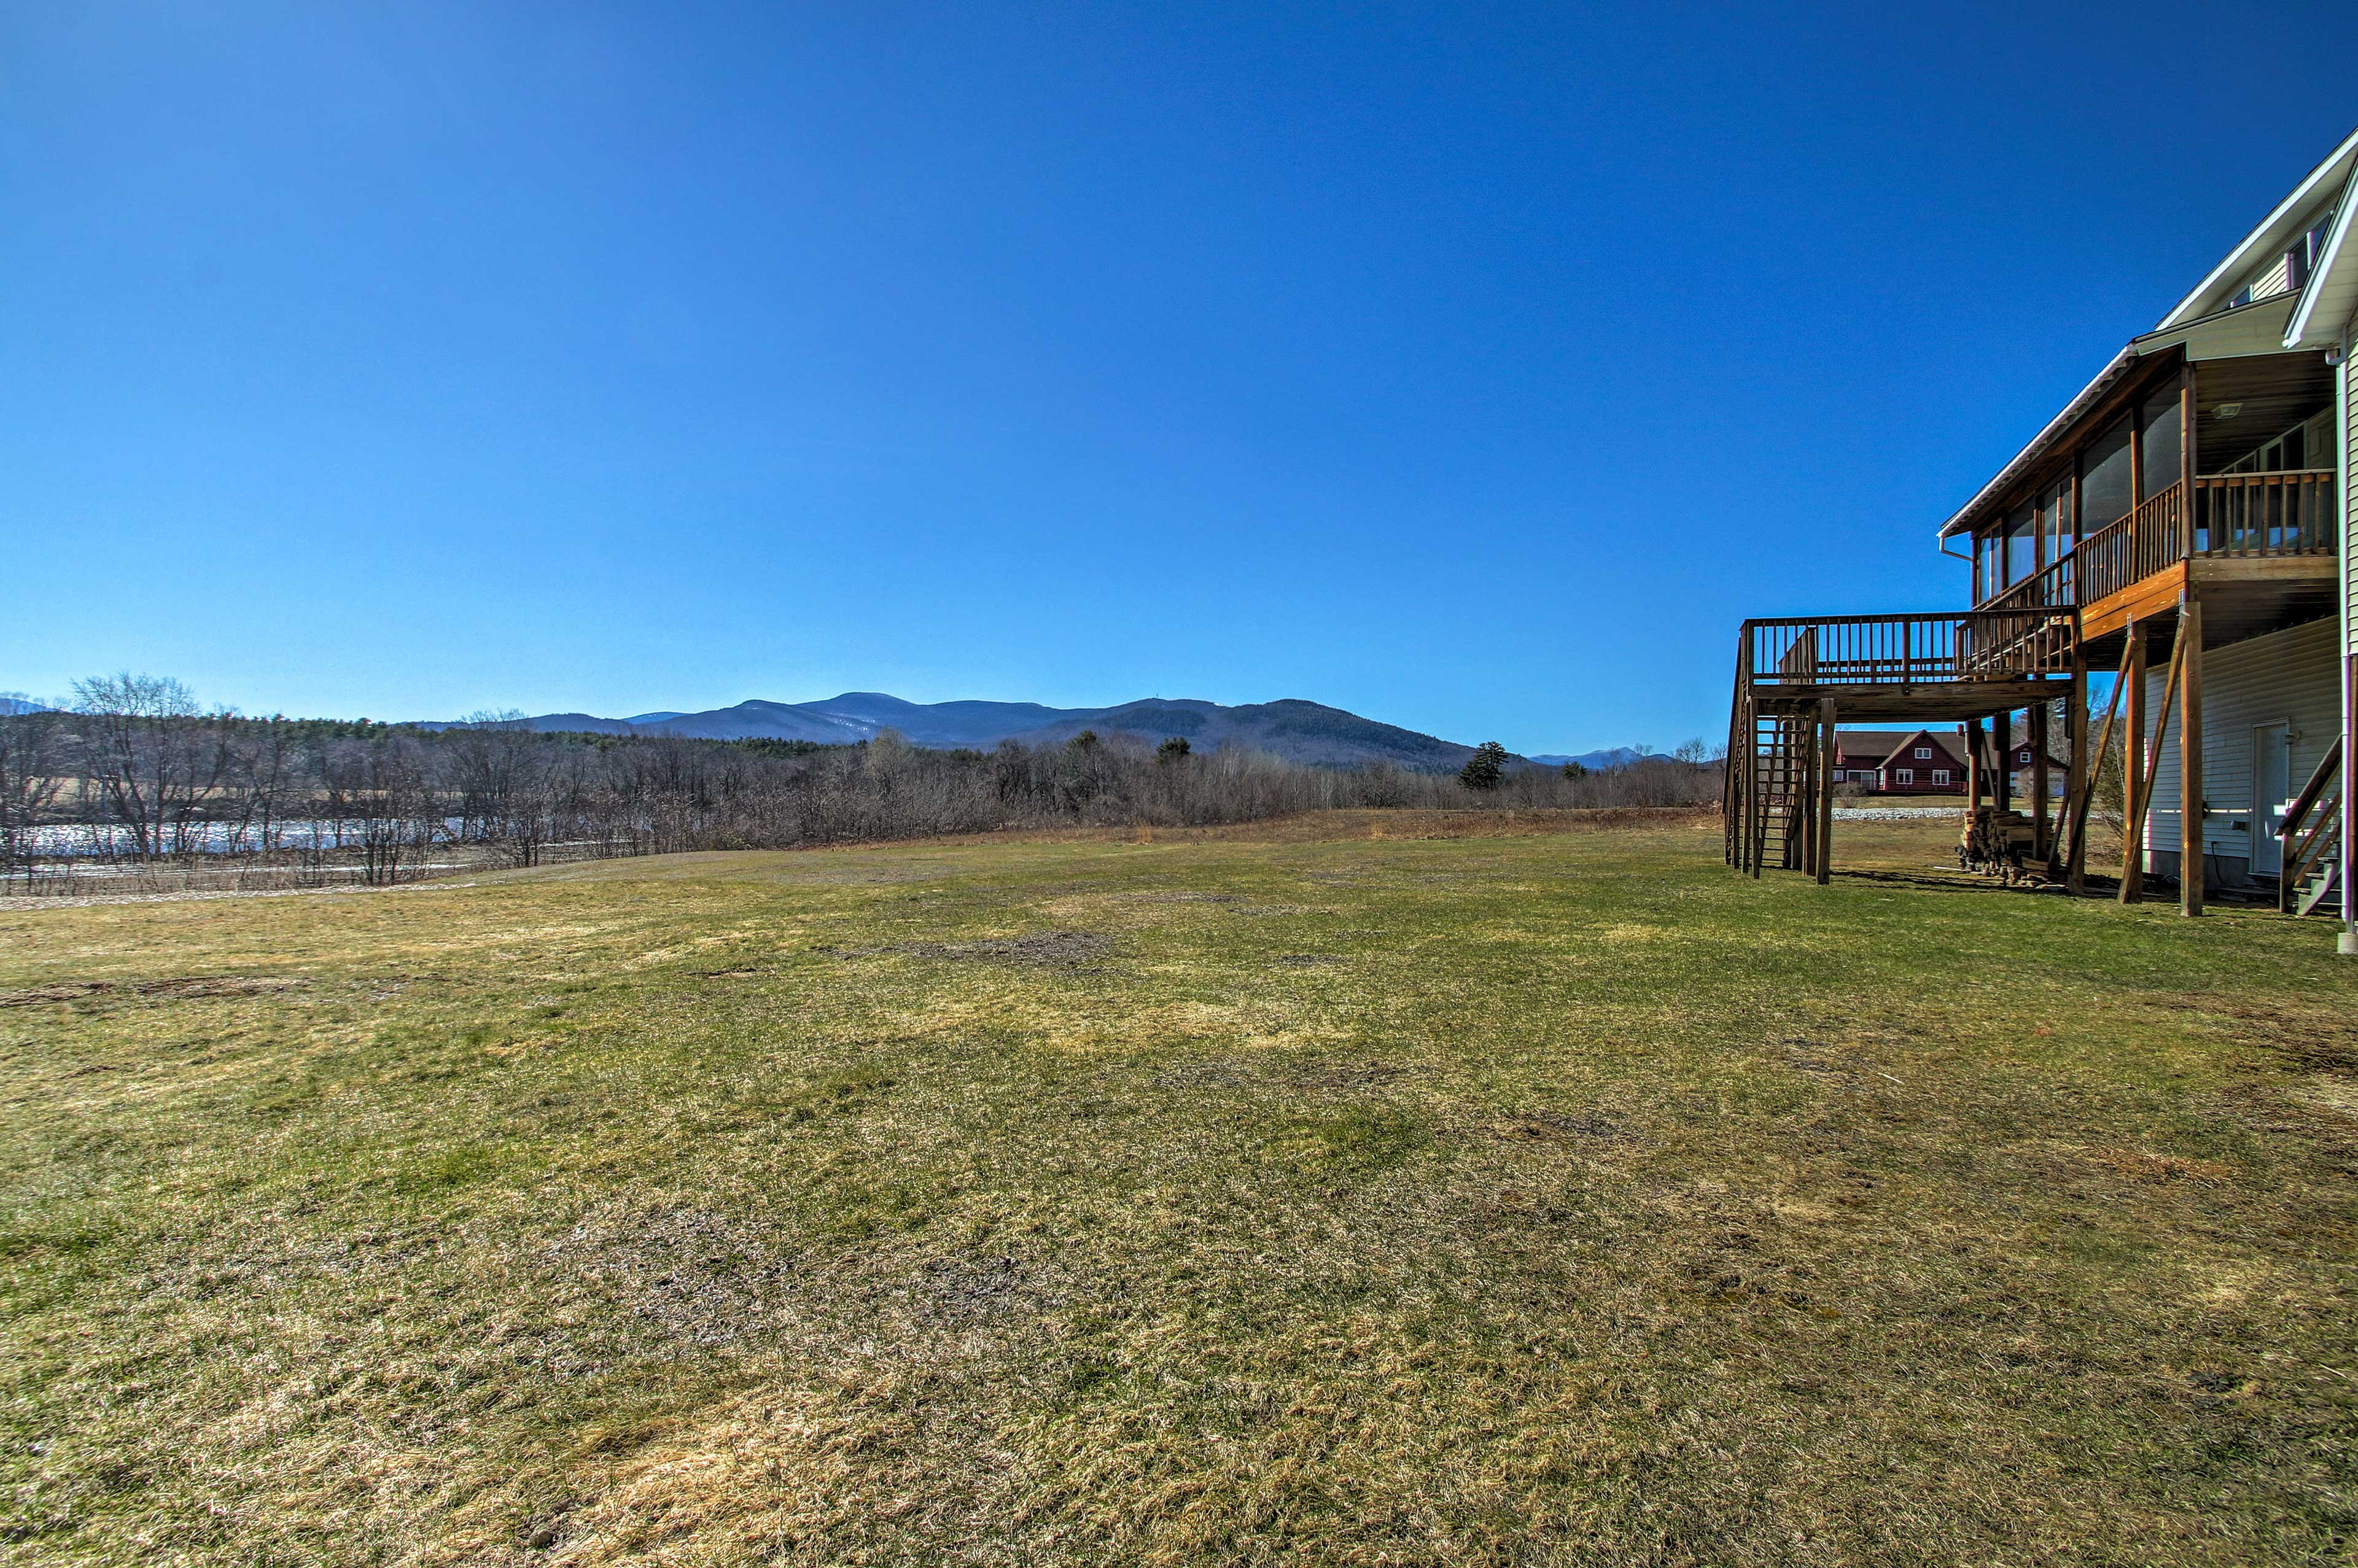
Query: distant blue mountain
(1300, 731)
(1611, 757)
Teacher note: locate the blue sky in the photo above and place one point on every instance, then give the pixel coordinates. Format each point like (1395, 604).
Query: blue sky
(1473, 368)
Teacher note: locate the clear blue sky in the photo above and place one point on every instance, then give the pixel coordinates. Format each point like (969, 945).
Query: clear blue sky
(1475, 368)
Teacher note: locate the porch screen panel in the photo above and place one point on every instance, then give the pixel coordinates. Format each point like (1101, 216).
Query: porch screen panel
(2104, 480)
(2055, 519)
(2021, 527)
(2162, 444)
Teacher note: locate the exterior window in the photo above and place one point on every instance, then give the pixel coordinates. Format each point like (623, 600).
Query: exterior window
(1940, 775)
(1908, 775)
(1924, 753)
(2243, 297)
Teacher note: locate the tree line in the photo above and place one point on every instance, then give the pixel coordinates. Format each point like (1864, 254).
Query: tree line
(134, 770)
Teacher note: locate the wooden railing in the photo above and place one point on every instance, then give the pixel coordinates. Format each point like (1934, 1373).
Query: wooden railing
(1908, 650)
(2235, 515)
(2151, 538)
(2287, 513)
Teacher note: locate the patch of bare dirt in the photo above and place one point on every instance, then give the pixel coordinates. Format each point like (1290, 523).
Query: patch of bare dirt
(2321, 1039)
(1180, 897)
(1042, 950)
(190, 986)
(1549, 1126)
(694, 1274)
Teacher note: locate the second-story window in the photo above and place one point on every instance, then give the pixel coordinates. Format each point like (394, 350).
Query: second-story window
(1924, 753)
(2301, 260)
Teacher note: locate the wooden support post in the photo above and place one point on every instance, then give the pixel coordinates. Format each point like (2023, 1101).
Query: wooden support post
(2133, 768)
(2081, 780)
(2039, 830)
(1825, 791)
(2002, 753)
(2078, 855)
(1973, 780)
(2190, 860)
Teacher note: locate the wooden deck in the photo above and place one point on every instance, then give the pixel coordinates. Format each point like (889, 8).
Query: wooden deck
(1796, 677)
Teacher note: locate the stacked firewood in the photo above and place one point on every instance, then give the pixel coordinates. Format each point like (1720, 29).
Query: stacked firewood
(1997, 843)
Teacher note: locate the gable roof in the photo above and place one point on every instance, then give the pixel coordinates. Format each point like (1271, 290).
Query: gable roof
(2275, 231)
(2321, 319)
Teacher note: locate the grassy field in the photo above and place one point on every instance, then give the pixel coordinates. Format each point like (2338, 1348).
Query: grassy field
(1302, 1195)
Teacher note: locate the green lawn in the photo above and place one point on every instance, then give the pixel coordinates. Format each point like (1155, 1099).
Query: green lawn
(1558, 1198)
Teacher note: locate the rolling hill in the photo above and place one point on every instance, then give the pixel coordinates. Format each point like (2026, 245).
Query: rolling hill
(1297, 731)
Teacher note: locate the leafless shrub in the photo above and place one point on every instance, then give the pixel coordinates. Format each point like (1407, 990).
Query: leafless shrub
(138, 773)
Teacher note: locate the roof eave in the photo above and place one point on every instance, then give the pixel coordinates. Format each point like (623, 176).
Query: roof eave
(2259, 241)
(2036, 448)
(2335, 276)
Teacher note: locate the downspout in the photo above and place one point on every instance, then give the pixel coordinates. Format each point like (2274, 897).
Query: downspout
(2347, 945)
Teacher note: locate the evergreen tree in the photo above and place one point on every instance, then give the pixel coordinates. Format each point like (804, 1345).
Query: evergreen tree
(1485, 768)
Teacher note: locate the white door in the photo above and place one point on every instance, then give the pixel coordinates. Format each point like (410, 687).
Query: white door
(2271, 787)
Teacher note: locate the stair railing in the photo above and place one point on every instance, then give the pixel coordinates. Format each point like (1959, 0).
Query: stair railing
(2306, 840)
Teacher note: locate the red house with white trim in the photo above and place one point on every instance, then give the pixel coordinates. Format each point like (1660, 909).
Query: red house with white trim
(1900, 761)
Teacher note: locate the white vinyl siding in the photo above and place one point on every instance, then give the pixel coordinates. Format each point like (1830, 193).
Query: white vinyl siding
(2287, 675)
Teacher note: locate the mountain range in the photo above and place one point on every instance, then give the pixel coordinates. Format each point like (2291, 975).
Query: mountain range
(1297, 731)
(1300, 731)
(1595, 762)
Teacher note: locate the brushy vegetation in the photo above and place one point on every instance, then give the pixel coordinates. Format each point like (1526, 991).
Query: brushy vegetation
(1303, 1195)
(137, 778)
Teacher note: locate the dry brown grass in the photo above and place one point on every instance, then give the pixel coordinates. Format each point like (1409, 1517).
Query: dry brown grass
(1291, 1196)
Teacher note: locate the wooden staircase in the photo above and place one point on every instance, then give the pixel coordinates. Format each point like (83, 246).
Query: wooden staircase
(2312, 830)
(1781, 746)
